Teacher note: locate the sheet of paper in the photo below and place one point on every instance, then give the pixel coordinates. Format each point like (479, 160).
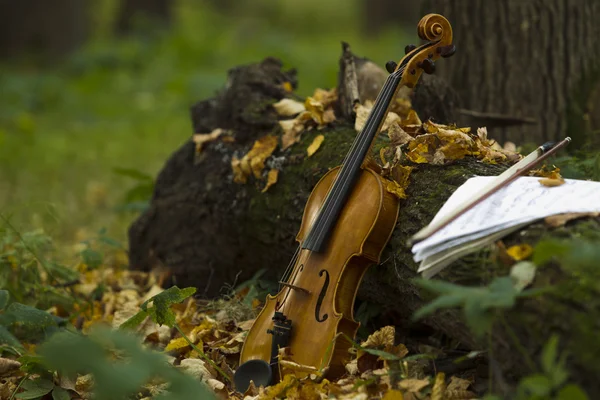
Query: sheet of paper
(524, 200)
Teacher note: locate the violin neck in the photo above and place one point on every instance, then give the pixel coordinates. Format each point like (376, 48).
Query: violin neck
(316, 240)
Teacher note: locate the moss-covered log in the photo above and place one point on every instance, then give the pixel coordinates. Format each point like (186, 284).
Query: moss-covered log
(212, 232)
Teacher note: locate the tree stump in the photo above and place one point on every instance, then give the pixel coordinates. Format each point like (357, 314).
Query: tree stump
(213, 233)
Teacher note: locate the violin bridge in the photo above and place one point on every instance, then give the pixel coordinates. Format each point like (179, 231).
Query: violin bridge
(294, 287)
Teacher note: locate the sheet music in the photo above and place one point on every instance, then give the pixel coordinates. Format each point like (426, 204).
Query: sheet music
(524, 200)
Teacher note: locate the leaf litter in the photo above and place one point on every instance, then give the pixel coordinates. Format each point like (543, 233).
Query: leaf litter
(378, 367)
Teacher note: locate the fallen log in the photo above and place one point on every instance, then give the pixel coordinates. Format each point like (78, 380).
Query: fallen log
(213, 233)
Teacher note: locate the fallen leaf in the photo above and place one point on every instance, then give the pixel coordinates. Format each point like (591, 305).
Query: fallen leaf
(288, 107)
(201, 138)
(439, 386)
(520, 251)
(552, 182)
(196, 368)
(384, 337)
(554, 221)
(287, 86)
(397, 135)
(523, 274)
(314, 146)
(177, 344)
(254, 161)
(393, 187)
(363, 111)
(457, 383)
(393, 395)
(7, 365)
(413, 385)
(271, 179)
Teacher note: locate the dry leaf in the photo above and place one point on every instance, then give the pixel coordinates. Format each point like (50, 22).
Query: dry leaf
(201, 138)
(381, 338)
(397, 135)
(394, 188)
(314, 146)
(325, 97)
(271, 179)
(554, 221)
(196, 368)
(458, 384)
(363, 111)
(393, 395)
(520, 251)
(289, 107)
(287, 86)
(7, 365)
(437, 393)
(552, 182)
(254, 161)
(177, 344)
(413, 385)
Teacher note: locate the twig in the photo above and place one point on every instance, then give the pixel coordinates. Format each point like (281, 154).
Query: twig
(348, 95)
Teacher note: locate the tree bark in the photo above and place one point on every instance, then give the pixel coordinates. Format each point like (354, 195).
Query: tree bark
(213, 233)
(529, 59)
(41, 28)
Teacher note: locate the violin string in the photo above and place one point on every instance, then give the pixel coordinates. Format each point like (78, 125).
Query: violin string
(360, 141)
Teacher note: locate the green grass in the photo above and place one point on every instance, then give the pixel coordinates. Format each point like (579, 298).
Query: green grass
(124, 102)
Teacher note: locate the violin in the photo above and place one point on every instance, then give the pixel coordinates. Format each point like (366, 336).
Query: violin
(348, 219)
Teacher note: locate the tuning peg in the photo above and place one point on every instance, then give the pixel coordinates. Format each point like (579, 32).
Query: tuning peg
(447, 51)
(428, 66)
(390, 66)
(409, 48)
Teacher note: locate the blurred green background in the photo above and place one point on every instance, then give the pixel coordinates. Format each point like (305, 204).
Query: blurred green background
(114, 93)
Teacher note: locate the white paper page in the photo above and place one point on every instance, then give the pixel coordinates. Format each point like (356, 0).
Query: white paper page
(523, 200)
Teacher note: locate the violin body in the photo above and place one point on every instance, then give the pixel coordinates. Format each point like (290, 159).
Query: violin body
(332, 277)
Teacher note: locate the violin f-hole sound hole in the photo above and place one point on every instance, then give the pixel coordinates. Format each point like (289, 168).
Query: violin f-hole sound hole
(321, 296)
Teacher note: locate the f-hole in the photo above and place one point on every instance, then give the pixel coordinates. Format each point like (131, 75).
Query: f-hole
(321, 296)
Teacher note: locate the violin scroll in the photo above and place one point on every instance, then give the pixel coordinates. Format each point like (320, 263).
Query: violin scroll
(436, 30)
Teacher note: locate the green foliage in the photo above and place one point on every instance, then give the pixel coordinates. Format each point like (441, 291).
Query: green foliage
(478, 304)
(25, 269)
(34, 389)
(132, 367)
(549, 384)
(160, 312)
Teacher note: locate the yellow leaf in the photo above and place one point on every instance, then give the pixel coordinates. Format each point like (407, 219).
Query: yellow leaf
(271, 179)
(325, 97)
(550, 182)
(279, 390)
(201, 138)
(394, 188)
(520, 251)
(412, 119)
(437, 393)
(287, 86)
(176, 344)
(314, 146)
(417, 152)
(288, 107)
(254, 161)
(393, 395)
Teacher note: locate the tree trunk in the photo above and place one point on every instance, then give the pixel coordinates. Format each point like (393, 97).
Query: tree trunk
(159, 11)
(213, 233)
(42, 28)
(527, 58)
